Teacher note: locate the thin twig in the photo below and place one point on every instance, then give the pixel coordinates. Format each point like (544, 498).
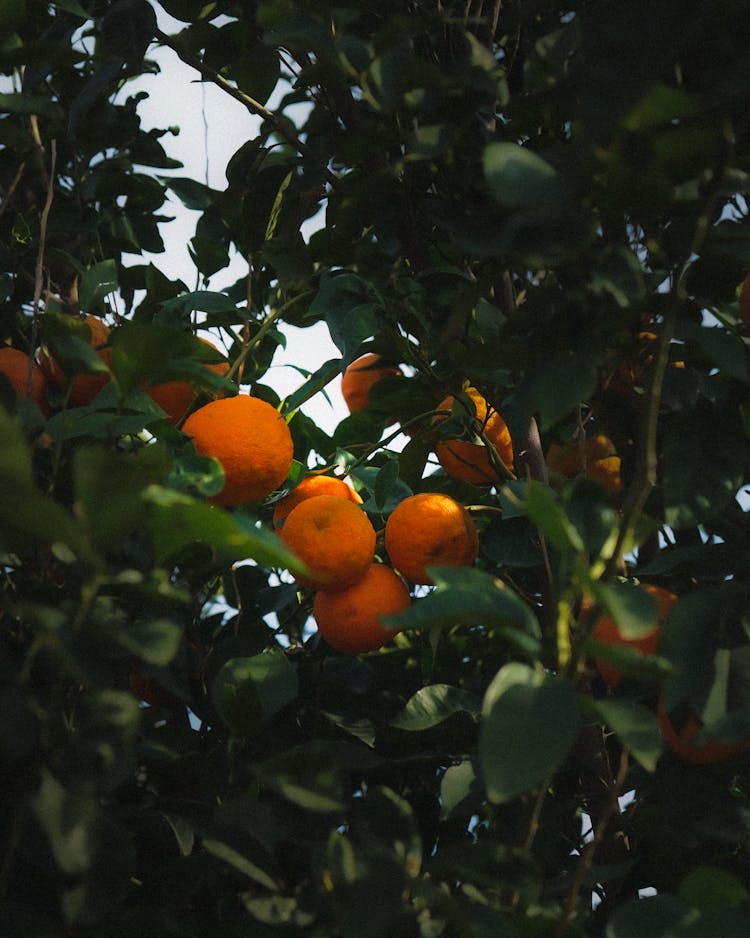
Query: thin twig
(39, 268)
(589, 851)
(12, 187)
(280, 126)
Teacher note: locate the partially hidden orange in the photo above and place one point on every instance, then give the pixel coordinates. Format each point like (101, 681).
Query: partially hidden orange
(176, 397)
(309, 487)
(349, 620)
(607, 631)
(250, 439)
(470, 461)
(17, 366)
(333, 537)
(430, 530)
(360, 377)
(86, 385)
(593, 457)
(683, 742)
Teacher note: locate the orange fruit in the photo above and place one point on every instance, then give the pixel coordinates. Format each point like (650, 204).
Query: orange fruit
(470, 461)
(430, 530)
(682, 741)
(310, 486)
(175, 397)
(608, 632)
(16, 365)
(333, 537)
(87, 385)
(745, 302)
(360, 376)
(593, 457)
(633, 371)
(349, 620)
(250, 439)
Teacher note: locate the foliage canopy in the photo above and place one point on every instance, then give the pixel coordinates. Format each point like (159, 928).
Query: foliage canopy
(544, 201)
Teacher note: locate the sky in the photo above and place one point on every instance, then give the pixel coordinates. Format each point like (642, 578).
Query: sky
(212, 127)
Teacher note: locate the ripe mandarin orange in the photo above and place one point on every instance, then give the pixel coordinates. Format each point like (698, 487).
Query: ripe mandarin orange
(593, 457)
(16, 365)
(310, 486)
(333, 537)
(250, 439)
(468, 461)
(87, 385)
(608, 632)
(175, 397)
(359, 378)
(430, 530)
(349, 620)
(682, 741)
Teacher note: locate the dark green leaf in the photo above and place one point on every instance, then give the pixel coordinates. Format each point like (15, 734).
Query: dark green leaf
(530, 721)
(350, 308)
(432, 705)
(518, 176)
(249, 691)
(636, 727)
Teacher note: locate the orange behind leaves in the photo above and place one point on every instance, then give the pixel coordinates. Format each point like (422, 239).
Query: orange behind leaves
(608, 632)
(333, 537)
(683, 743)
(430, 530)
(471, 462)
(85, 386)
(15, 365)
(593, 457)
(309, 487)
(359, 378)
(349, 619)
(250, 439)
(176, 397)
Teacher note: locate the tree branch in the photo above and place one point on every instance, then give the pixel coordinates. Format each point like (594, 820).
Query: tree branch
(255, 107)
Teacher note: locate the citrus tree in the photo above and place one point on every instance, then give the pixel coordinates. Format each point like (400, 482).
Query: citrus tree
(478, 662)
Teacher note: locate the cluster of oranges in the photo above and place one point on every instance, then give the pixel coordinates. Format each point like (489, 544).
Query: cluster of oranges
(32, 376)
(681, 737)
(483, 454)
(323, 523)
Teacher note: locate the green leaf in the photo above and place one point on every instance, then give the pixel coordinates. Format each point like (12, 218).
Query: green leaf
(69, 819)
(238, 861)
(710, 887)
(633, 609)
(385, 482)
(96, 283)
(544, 509)
(177, 521)
(472, 597)
(31, 104)
(459, 790)
(351, 309)
(705, 455)
(432, 705)
(651, 917)
(314, 384)
(530, 721)
(28, 517)
(636, 727)
(312, 775)
(248, 691)
(156, 641)
(194, 195)
(278, 911)
(518, 176)
(199, 301)
(109, 491)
